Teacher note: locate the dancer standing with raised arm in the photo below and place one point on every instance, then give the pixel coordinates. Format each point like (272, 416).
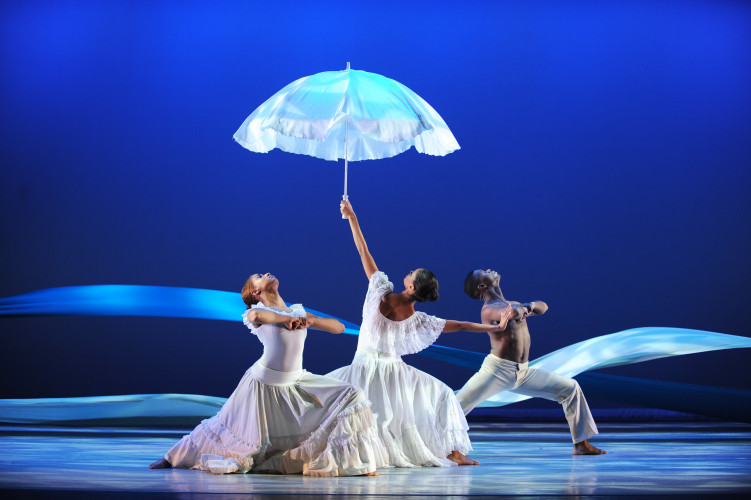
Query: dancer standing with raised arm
(506, 368)
(419, 418)
(281, 418)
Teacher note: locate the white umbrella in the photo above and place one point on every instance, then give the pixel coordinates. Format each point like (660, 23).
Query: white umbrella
(348, 114)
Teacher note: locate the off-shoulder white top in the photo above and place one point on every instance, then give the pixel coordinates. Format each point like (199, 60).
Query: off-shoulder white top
(378, 333)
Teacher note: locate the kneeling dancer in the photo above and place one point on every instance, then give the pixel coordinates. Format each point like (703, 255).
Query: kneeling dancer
(281, 418)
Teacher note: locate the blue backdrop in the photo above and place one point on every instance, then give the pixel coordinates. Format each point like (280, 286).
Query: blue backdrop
(604, 169)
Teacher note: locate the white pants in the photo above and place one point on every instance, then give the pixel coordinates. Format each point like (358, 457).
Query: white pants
(497, 375)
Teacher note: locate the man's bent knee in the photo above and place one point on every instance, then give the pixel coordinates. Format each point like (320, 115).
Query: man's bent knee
(568, 393)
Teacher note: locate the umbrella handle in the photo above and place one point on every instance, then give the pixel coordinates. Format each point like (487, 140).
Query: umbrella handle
(344, 196)
(346, 134)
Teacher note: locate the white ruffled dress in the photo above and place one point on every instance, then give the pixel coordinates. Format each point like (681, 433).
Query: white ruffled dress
(419, 418)
(283, 419)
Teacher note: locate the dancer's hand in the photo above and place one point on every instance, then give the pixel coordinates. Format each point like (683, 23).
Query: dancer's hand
(294, 323)
(345, 207)
(530, 307)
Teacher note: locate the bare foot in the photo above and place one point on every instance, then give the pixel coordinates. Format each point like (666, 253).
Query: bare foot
(162, 463)
(461, 459)
(584, 448)
(374, 473)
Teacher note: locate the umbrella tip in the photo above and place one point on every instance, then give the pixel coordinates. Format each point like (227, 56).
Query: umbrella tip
(347, 65)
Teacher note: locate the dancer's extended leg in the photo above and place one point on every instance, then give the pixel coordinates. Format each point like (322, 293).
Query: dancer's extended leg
(549, 385)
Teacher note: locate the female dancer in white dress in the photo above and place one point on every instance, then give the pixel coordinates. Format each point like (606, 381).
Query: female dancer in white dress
(281, 418)
(419, 418)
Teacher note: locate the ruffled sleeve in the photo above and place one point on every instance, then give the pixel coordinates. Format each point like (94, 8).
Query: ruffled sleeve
(395, 337)
(400, 337)
(378, 287)
(417, 332)
(297, 312)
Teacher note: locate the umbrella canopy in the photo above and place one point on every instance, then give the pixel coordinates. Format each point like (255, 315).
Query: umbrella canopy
(350, 114)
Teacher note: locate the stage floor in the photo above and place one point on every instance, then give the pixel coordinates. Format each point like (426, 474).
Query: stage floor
(517, 459)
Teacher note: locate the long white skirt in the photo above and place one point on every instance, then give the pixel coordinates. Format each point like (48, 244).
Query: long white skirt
(419, 418)
(288, 423)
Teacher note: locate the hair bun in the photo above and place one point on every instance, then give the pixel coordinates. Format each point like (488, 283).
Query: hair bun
(426, 286)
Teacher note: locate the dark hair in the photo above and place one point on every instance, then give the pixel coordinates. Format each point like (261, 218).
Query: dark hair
(247, 293)
(470, 285)
(426, 286)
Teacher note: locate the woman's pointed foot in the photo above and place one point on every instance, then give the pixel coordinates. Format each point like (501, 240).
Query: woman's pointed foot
(460, 459)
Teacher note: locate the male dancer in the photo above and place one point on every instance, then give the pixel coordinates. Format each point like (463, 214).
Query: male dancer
(506, 367)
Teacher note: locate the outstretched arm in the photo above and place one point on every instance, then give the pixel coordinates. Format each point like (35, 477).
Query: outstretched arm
(262, 317)
(468, 326)
(330, 325)
(362, 248)
(494, 314)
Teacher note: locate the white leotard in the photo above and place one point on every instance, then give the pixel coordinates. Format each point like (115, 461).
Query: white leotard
(282, 348)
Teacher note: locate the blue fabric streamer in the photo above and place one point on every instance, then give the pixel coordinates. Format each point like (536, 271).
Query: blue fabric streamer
(626, 347)
(135, 300)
